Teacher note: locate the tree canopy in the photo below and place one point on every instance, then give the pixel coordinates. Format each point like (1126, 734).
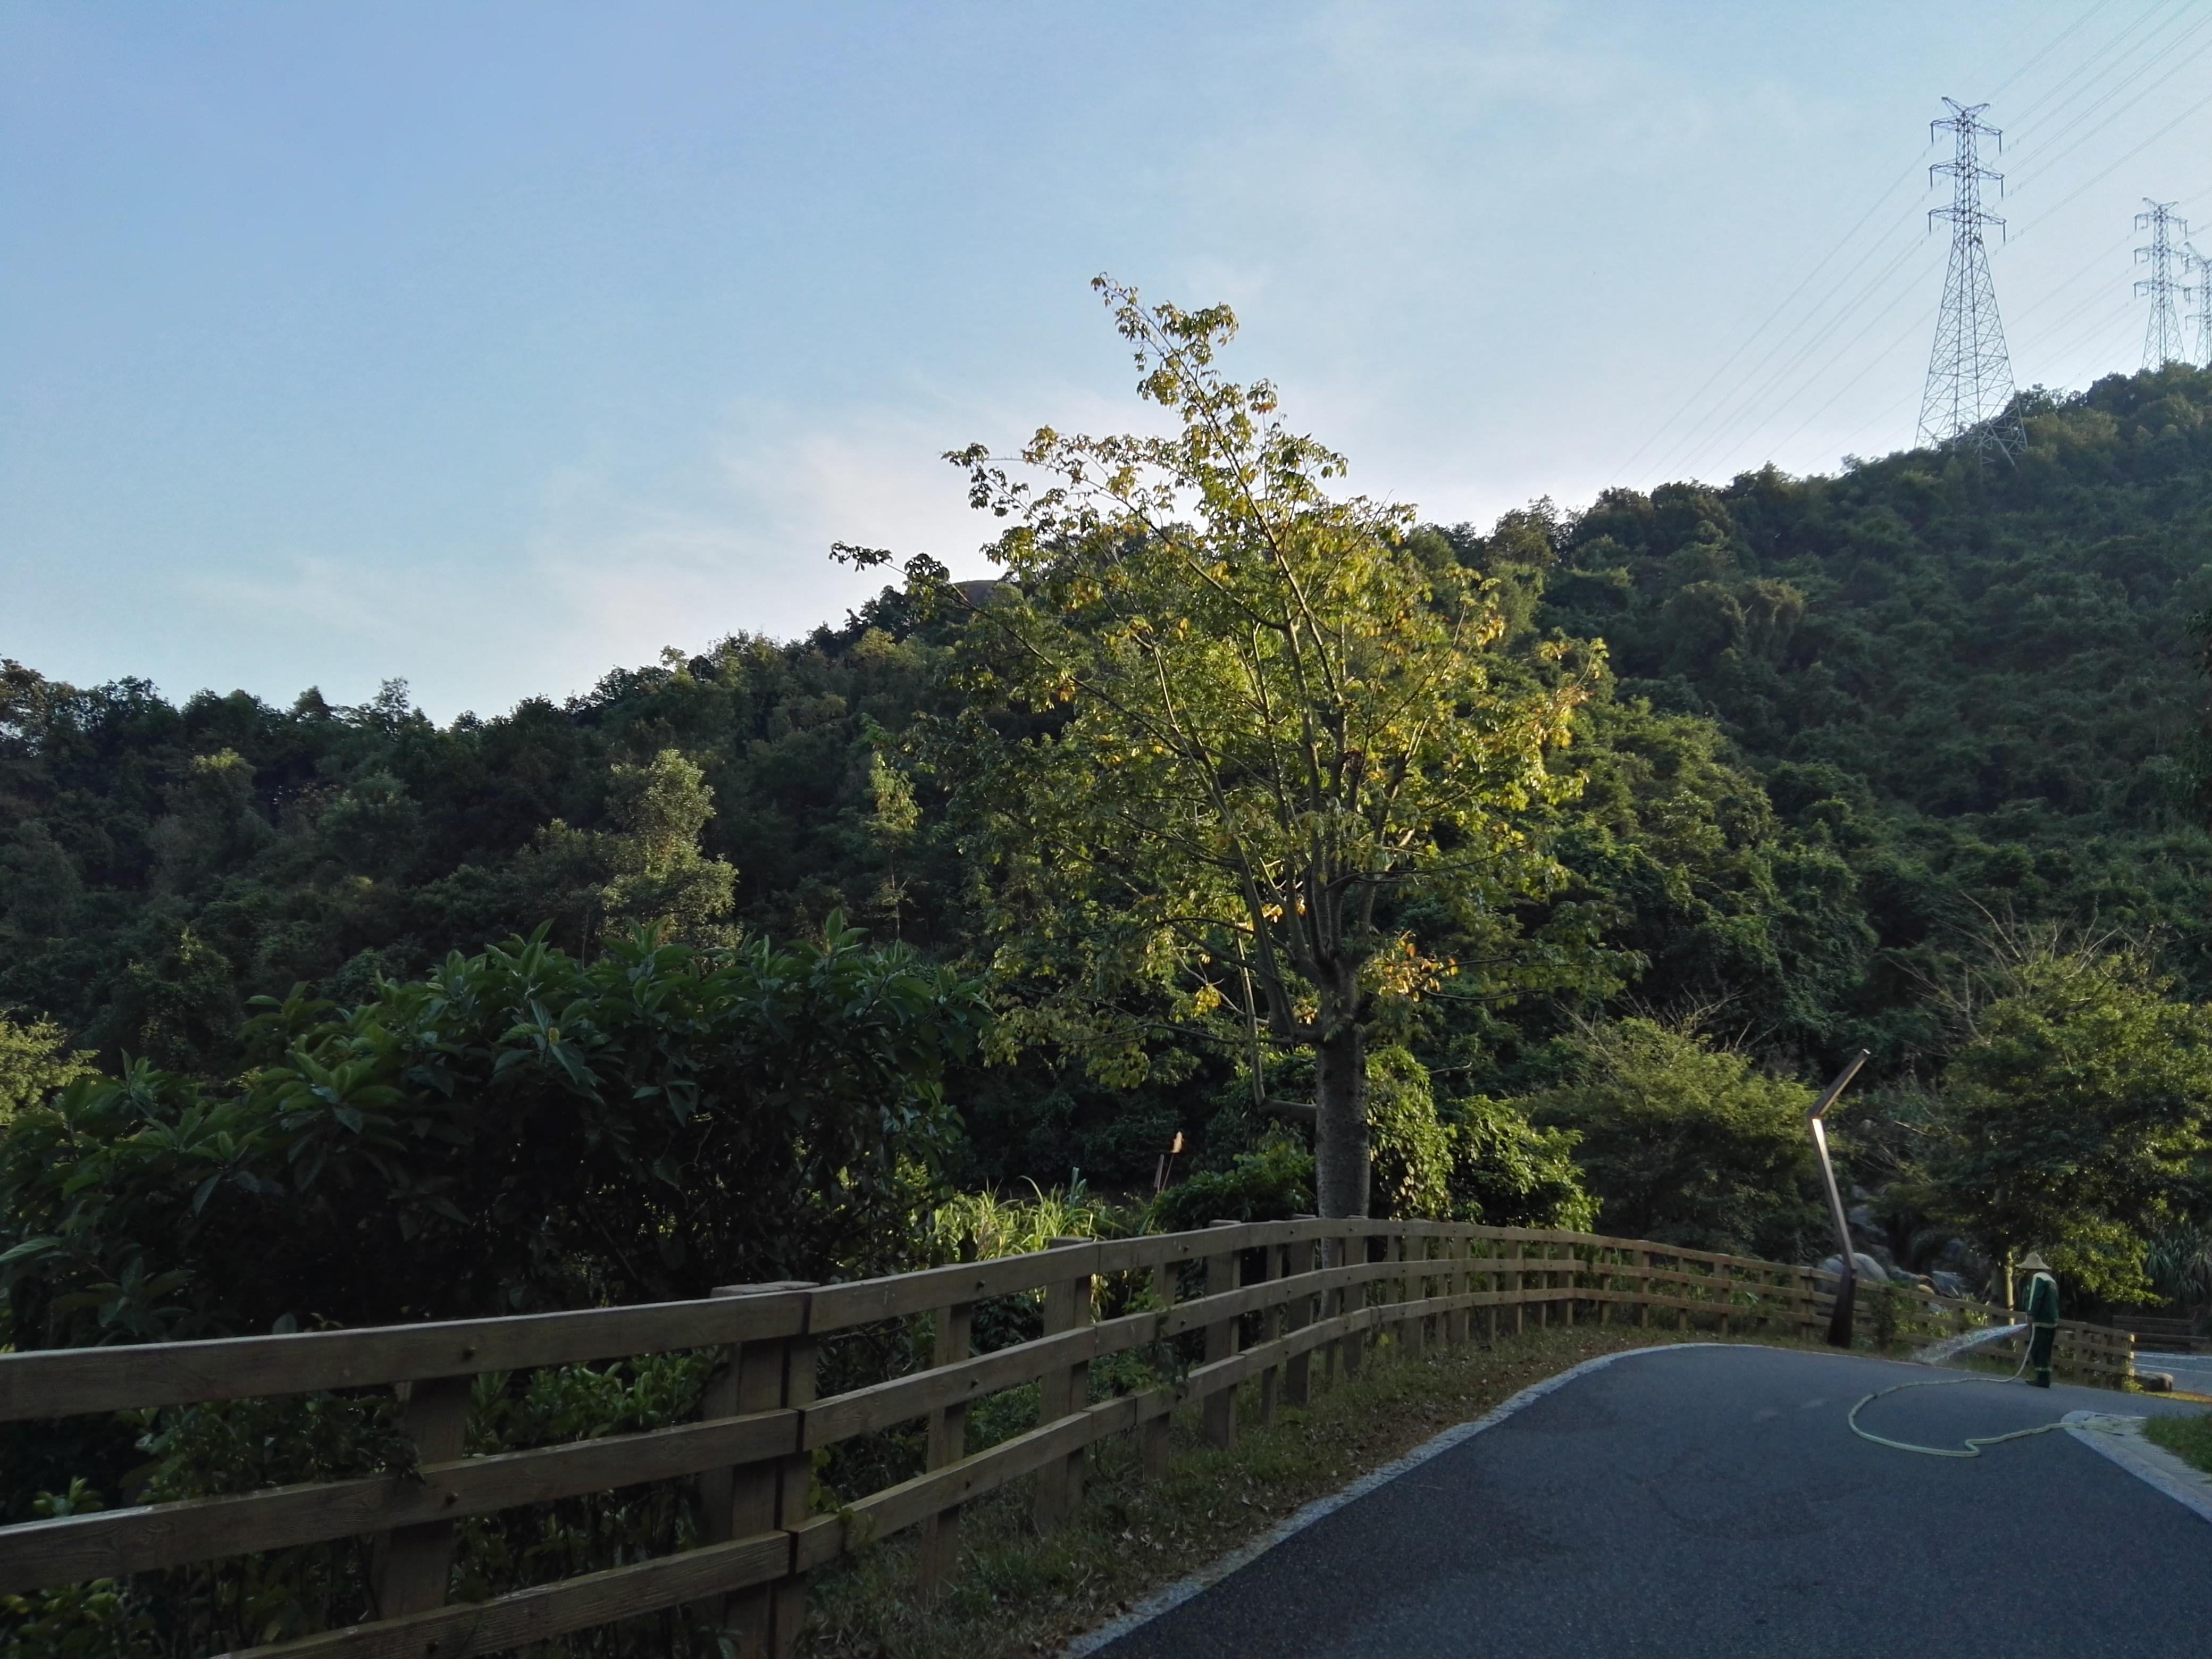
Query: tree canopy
(1271, 727)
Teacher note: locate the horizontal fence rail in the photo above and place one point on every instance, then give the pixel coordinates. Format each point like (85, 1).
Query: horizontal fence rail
(1276, 1303)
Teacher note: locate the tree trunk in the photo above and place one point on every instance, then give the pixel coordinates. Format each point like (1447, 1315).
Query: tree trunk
(1341, 1156)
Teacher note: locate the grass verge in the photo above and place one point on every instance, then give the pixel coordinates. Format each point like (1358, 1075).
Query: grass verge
(1018, 1593)
(2189, 1438)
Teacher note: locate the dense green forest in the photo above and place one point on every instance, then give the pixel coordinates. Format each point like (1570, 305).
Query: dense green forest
(1249, 849)
(1883, 759)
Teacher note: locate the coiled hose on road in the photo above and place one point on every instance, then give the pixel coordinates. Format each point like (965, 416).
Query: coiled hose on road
(1974, 1445)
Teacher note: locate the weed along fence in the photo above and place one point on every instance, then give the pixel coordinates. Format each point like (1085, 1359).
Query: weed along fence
(1238, 1318)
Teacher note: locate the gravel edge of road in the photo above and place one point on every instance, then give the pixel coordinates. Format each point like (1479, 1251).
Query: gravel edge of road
(1166, 1600)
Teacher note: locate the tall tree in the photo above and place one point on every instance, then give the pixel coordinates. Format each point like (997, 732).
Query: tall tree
(660, 874)
(1265, 726)
(2077, 1117)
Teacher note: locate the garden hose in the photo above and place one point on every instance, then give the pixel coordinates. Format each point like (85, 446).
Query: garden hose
(1972, 1446)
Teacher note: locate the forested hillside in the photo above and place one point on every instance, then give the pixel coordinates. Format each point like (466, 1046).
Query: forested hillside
(1980, 687)
(1844, 744)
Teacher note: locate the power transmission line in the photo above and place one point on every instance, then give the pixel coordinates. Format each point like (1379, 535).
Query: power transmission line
(2093, 353)
(1880, 417)
(2115, 320)
(2097, 264)
(2162, 335)
(1874, 360)
(2060, 40)
(2042, 164)
(2082, 79)
(2098, 177)
(1750, 339)
(1798, 382)
(1718, 431)
(2040, 148)
(1969, 374)
(2056, 331)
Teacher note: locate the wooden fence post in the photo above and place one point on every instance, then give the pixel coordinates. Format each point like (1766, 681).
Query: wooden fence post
(794, 1492)
(1434, 1252)
(1330, 1253)
(1220, 1407)
(1493, 1281)
(749, 1500)
(1359, 1250)
(1428, 1329)
(414, 1564)
(1062, 1391)
(1457, 1284)
(1643, 1260)
(1297, 1373)
(1407, 1285)
(1153, 1442)
(1574, 1272)
(1520, 1307)
(939, 1552)
(1271, 1326)
(1725, 1288)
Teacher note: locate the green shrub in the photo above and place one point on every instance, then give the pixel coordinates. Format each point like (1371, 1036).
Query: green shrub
(1507, 1172)
(1473, 1159)
(975, 1226)
(1688, 1143)
(1410, 1149)
(520, 1129)
(1270, 1184)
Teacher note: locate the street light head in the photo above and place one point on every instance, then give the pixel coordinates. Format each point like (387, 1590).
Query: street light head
(1829, 1096)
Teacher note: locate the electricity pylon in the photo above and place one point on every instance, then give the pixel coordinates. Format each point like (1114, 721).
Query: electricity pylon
(2201, 291)
(2162, 336)
(1969, 372)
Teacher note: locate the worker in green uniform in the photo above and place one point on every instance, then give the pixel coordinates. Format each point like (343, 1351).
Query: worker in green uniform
(2042, 1318)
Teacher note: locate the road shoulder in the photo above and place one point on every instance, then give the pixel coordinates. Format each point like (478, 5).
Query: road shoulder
(2121, 1440)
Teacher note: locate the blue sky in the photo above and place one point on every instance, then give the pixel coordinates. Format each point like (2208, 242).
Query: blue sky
(492, 345)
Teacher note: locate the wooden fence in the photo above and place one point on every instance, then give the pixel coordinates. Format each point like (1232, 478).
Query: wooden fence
(1282, 1304)
(2159, 1334)
(2098, 1354)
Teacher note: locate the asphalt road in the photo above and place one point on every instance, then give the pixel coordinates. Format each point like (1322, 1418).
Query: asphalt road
(1711, 1501)
(2192, 1371)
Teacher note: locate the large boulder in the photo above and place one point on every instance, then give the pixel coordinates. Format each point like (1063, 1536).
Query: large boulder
(1867, 1270)
(1961, 1258)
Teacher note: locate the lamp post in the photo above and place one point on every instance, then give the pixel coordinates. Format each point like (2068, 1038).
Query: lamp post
(1839, 1321)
